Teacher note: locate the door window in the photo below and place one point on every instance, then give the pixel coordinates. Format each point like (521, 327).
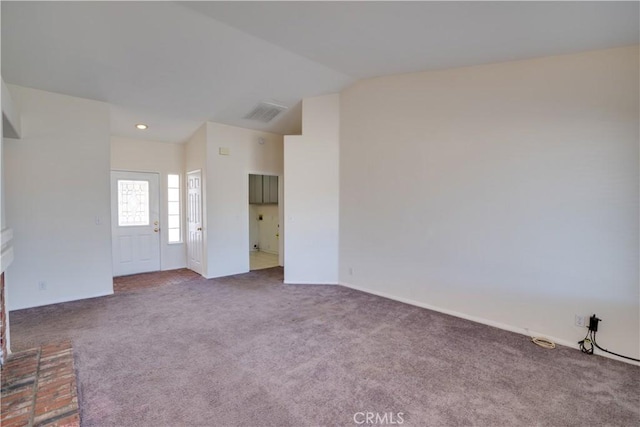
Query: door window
(133, 203)
(173, 202)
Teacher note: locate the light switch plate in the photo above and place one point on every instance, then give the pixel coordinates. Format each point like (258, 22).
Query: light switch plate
(223, 151)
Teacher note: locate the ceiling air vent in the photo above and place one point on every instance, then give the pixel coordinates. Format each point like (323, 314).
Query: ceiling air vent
(265, 112)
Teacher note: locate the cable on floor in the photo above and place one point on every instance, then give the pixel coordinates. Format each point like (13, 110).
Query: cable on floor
(589, 342)
(543, 342)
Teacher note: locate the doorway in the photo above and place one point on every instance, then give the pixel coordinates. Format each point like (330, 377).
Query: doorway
(135, 225)
(264, 221)
(194, 221)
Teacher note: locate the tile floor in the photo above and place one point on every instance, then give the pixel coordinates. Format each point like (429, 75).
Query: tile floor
(260, 260)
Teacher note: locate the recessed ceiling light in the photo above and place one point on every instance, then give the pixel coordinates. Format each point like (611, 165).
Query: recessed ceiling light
(141, 126)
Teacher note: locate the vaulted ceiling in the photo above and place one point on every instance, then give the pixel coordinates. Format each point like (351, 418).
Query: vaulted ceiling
(174, 65)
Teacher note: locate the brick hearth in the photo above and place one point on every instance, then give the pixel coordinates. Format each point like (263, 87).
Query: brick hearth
(152, 280)
(39, 388)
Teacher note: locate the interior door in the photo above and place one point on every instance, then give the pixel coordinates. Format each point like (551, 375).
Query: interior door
(194, 221)
(135, 224)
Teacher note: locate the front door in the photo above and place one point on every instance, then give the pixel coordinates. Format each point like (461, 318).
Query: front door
(135, 222)
(194, 221)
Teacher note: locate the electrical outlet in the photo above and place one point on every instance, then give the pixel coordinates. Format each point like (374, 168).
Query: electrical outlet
(42, 286)
(581, 321)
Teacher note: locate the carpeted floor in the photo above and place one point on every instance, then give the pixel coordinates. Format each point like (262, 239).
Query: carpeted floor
(248, 350)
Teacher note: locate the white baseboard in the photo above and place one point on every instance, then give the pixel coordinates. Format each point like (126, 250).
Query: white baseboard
(499, 325)
(173, 267)
(268, 252)
(297, 282)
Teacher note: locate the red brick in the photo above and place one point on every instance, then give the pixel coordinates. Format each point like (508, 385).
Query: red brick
(150, 280)
(70, 421)
(14, 405)
(52, 391)
(53, 381)
(68, 391)
(38, 418)
(50, 411)
(16, 412)
(25, 393)
(16, 422)
(58, 363)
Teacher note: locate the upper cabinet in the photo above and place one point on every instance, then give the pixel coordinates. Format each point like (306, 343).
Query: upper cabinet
(270, 189)
(255, 189)
(263, 189)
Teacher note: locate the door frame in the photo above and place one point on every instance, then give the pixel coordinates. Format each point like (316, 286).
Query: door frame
(281, 212)
(114, 218)
(203, 253)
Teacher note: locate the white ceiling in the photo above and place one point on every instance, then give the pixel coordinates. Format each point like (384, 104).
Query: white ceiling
(175, 65)
(368, 39)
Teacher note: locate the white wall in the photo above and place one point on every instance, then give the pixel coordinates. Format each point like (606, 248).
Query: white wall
(163, 158)
(311, 194)
(195, 154)
(57, 199)
(9, 127)
(227, 181)
(12, 117)
(264, 233)
(507, 193)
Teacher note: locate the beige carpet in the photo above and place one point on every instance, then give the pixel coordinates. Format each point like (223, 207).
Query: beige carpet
(248, 350)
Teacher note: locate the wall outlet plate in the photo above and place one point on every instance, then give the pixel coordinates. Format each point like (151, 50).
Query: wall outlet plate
(580, 320)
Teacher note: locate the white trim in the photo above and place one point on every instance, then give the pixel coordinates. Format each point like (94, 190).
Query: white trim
(295, 282)
(6, 236)
(268, 252)
(60, 301)
(6, 258)
(6, 251)
(11, 113)
(499, 325)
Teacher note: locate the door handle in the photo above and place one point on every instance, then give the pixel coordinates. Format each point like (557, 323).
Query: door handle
(199, 228)
(156, 229)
